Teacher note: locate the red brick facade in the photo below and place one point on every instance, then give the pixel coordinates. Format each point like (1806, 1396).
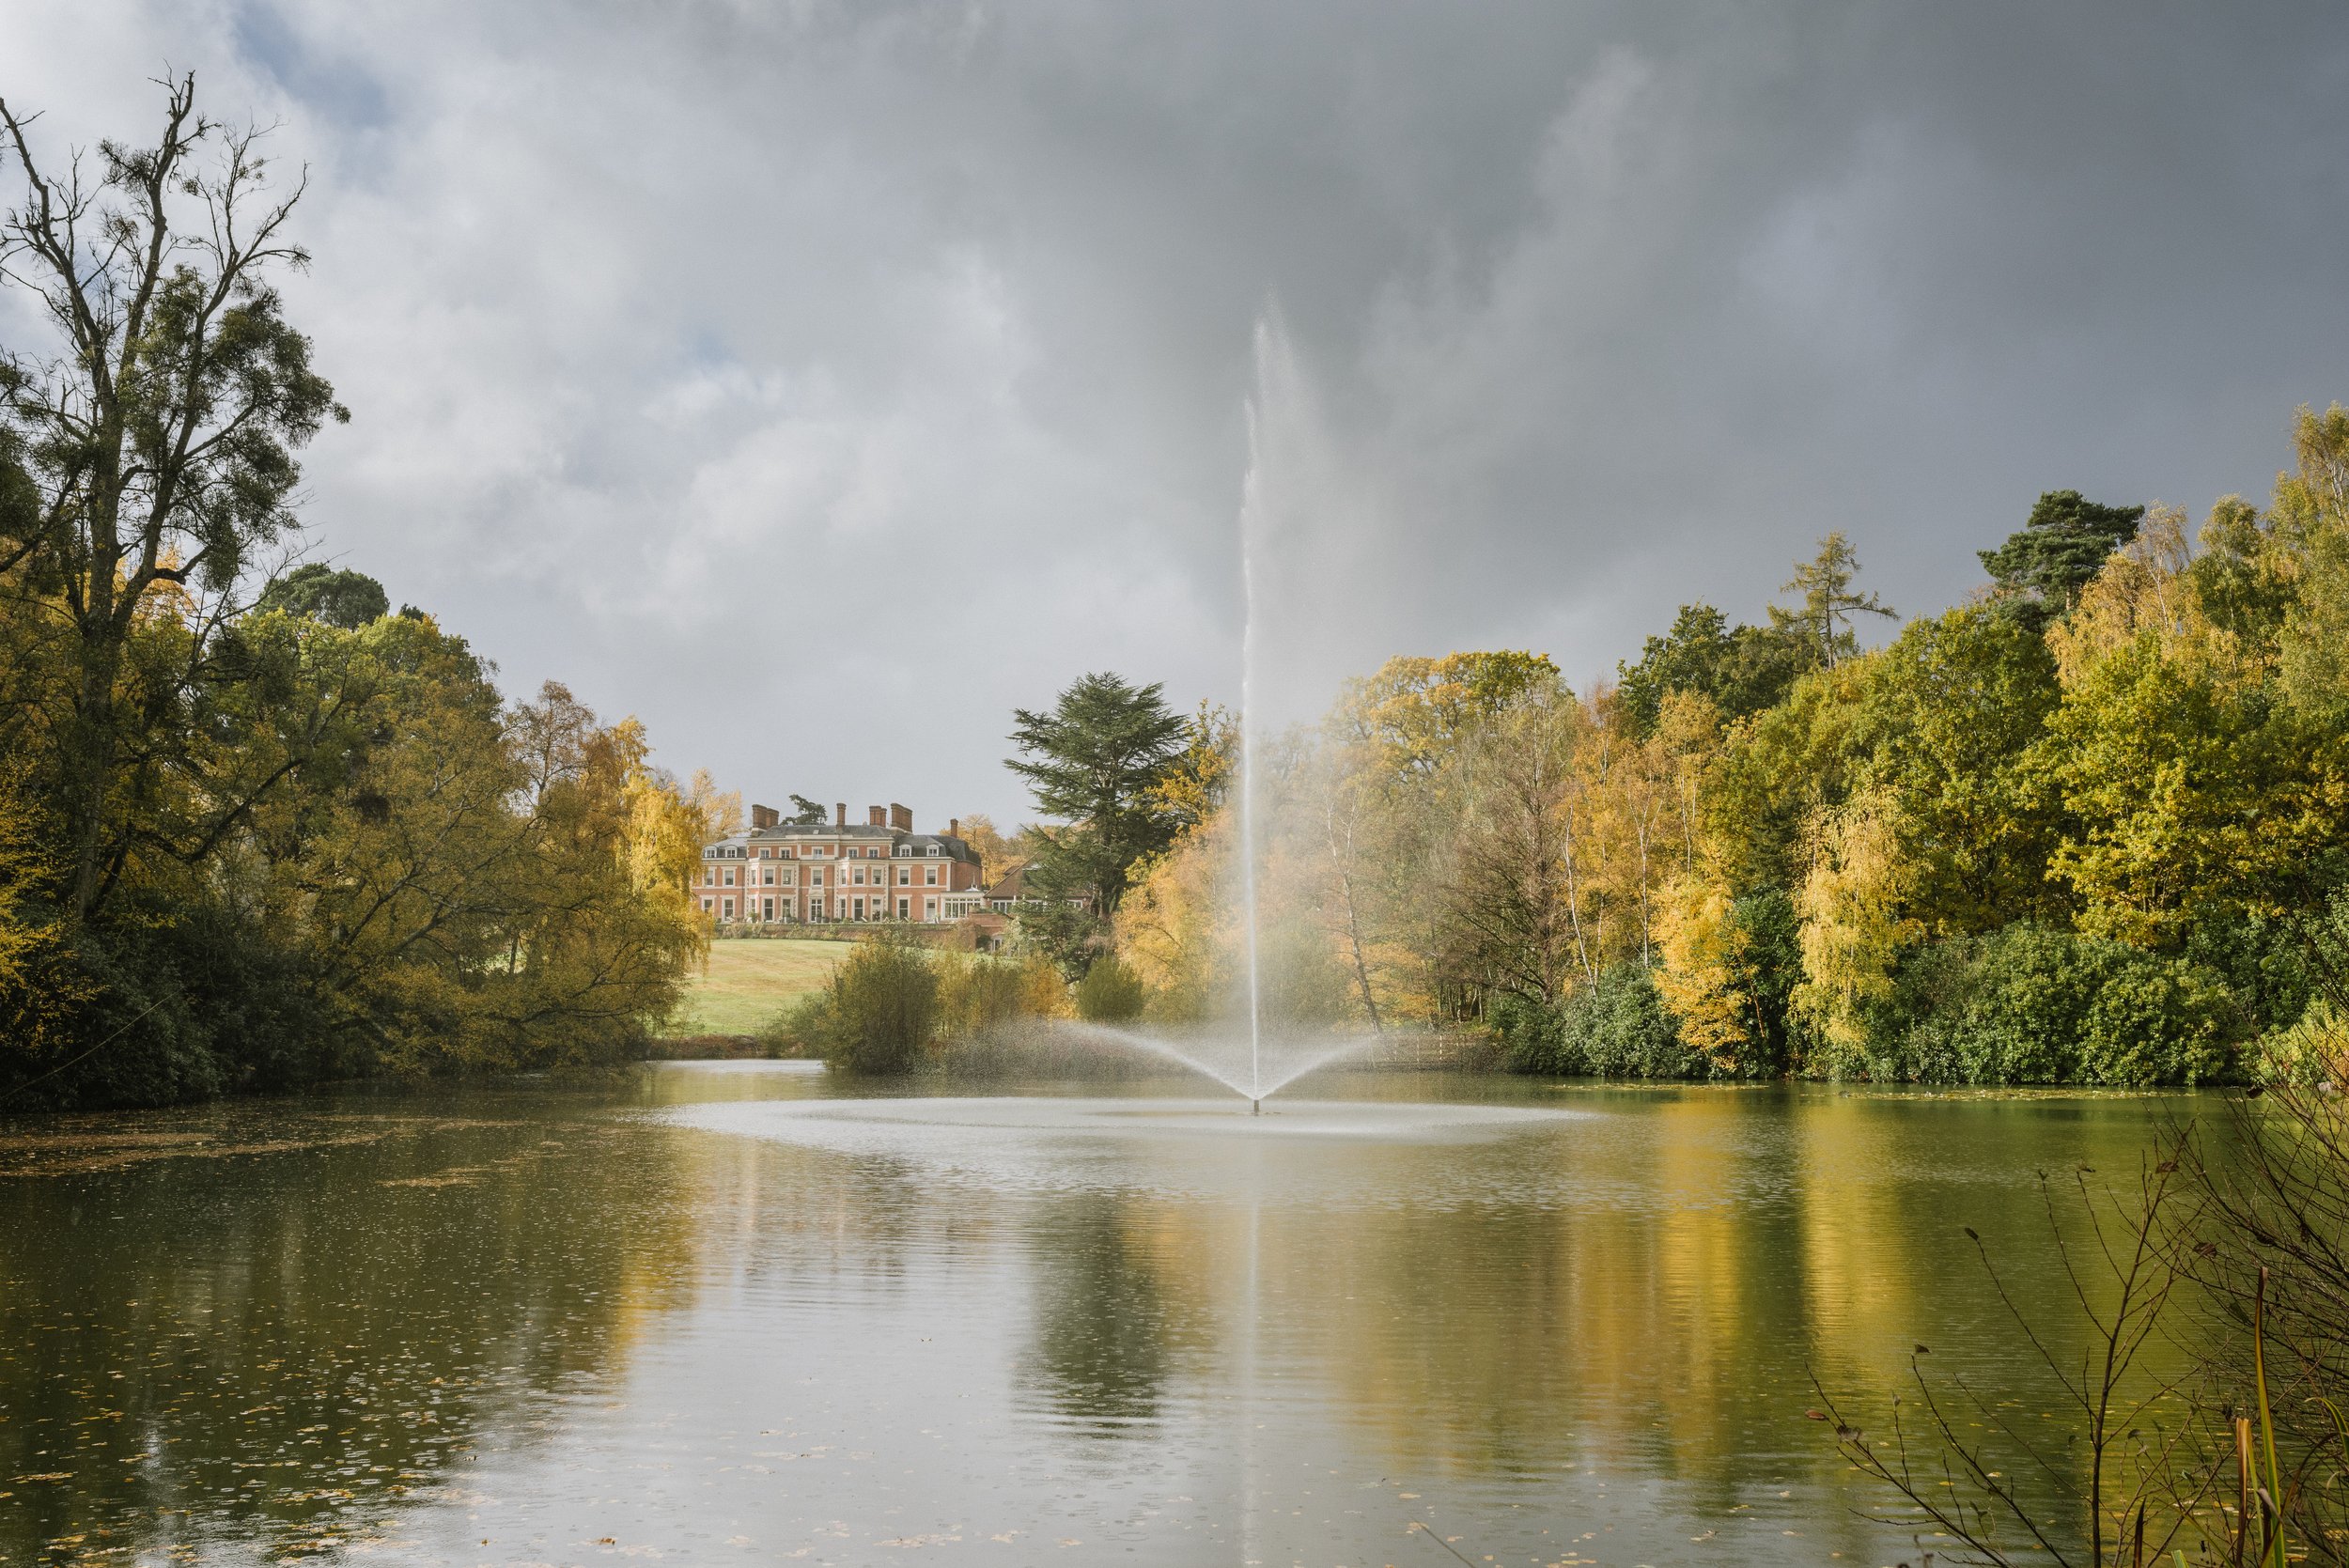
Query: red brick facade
(839, 872)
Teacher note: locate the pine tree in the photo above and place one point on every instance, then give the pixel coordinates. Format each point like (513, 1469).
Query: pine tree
(2062, 546)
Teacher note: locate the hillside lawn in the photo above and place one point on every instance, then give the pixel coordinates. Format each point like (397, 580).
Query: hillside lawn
(750, 981)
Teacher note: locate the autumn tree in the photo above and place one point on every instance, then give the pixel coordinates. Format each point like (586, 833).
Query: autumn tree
(152, 446)
(1822, 619)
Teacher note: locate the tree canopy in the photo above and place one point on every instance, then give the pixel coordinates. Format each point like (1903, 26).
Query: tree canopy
(349, 599)
(1097, 763)
(2041, 568)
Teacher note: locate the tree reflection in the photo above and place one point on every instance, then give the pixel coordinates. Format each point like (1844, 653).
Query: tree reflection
(1107, 1335)
(282, 1343)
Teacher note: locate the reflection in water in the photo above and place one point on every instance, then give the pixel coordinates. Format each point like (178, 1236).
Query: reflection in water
(744, 1310)
(277, 1347)
(1106, 1337)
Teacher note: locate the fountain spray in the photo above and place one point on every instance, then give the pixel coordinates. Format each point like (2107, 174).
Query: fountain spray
(1252, 500)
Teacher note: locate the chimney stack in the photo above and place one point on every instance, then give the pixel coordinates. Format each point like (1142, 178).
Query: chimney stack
(901, 817)
(877, 817)
(840, 813)
(764, 816)
(954, 827)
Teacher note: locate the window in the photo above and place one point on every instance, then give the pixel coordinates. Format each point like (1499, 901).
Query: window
(787, 875)
(729, 908)
(705, 906)
(905, 876)
(929, 876)
(815, 877)
(929, 908)
(768, 908)
(860, 908)
(729, 881)
(931, 850)
(905, 908)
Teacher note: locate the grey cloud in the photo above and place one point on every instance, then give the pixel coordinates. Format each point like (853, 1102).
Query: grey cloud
(680, 337)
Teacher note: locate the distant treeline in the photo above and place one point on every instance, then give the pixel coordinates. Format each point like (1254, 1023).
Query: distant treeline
(2083, 827)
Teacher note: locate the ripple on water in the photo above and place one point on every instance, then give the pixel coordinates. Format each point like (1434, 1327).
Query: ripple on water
(1174, 1147)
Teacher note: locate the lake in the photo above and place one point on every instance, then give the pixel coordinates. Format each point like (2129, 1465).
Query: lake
(744, 1313)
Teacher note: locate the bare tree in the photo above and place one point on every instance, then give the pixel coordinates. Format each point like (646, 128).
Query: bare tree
(2134, 1463)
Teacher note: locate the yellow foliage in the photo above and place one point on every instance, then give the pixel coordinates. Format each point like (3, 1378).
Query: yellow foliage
(25, 934)
(1852, 930)
(1418, 710)
(1167, 927)
(1699, 942)
(2143, 588)
(720, 812)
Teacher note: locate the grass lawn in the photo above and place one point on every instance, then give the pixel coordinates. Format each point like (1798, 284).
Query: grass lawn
(750, 980)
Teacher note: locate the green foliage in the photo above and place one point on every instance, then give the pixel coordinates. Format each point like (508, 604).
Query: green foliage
(1615, 1027)
(2061, 548)
(2311, 522)
(317, 592)
(2032, 1004)
(150, 458)
(1100, 761)
(881, 1014)
(1822, 620)
(1769, 967)
(1944, 720)
(2196, 795)
(1110, 993)
(1744, 670)
(807, 812)
(249, 848)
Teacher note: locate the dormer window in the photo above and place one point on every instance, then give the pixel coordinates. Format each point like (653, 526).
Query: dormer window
(932, 850)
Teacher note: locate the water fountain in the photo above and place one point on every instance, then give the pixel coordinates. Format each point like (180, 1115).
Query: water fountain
(1264, 1074)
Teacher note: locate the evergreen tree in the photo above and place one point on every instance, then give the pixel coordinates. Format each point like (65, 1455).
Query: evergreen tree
(1098, 762)
(2062, 545)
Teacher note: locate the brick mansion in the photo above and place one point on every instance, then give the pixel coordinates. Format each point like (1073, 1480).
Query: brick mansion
(840, 871)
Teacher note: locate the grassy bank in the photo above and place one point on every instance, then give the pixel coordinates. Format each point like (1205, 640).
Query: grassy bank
(748, 983)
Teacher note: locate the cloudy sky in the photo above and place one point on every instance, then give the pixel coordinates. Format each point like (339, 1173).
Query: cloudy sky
(818, 381)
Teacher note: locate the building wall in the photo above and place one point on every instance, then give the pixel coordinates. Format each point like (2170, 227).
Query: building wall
(834, 874)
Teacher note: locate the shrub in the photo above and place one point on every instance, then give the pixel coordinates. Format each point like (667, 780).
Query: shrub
(2030, 1004)
(1616, 1028)
(979, 993)
(880, 1011)
(1110, 993)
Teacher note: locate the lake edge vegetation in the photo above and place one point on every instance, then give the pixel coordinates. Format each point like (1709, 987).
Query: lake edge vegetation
(2072, 830)
(256, 832)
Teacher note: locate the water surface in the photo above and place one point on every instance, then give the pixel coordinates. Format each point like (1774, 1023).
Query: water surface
(741, 1312)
